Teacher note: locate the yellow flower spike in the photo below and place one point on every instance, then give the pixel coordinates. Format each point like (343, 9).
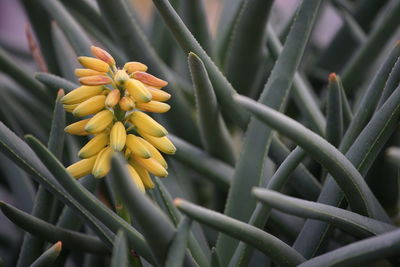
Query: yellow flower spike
(102, 55)
(143, 173)
(154, 153)
(81, 94)
(70, 108)
(112, 98)
(90, 106)
(118, 136)
(87, 72)
(94, 64)
(161, 143)
(136, 147)
(99, 122)
(133, 66)
(147, 124)
(77, 128)
(153, 106)
(94, 146)
(151, 165)
(149, 79)
(136, 178)
(103, 163)
(137, 90)
(82, 167)
(158, 94)
(126, 104)
(121, 77)
(95, 80)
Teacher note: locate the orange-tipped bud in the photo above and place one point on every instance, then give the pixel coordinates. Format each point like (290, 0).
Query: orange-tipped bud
(147, 124)
(157, 94)
(99, 122)
(81, 94)
(143, 173)
(137, 90)
(90, 106)
(118, 136)
(103, 163)
(149, 79)
(135, 177)
(94, 146)
(133, 66)
(77, 128)
(161, 143)
(136, 147)
(152, 166)
(94, 64)
(153, 106)
(121, 77)
(112, 98)
(82, 167)
(87, 72)
(126, 104)
(95, 80)
(102, 55)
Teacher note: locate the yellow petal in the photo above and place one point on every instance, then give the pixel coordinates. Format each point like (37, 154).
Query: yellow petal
(87, 72)
(112, 98)
(137, 90)
(133, 66)
(103, 163)
(90, 106)
(94, 64)
(135, 178)
(158, 94)
(102, 55)
(99, 122)
(147, 124)
(126, 104)
(153, 106)
(82, 167)
(118, 136)
(95, 80)
(70, 108)
(77, 128)
(149, 79)
(94, 146)
(136, 147)
(81, 94)
(152, 166)
(154, 153)
(161, 143)
(143, 173)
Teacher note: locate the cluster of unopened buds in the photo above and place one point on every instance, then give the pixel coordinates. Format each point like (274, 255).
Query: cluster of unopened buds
(111, 102)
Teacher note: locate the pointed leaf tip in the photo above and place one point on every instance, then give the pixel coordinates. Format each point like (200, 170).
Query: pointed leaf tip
(177, 201)
(60, 93)
(332, 77)
(58, 246)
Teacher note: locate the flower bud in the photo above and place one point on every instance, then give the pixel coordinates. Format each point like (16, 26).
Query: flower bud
(121, 77)
(153, 106)
(94, 64)
(152, 166)
(118, 136)
(136, 147)
(70, 108)
(161, 143)
(154, 153)
(82, 167)
(77, 128)
(103, 163)
(158, 94)
(112, 98)
(149, 79)
(126, 104)
(133, 66)
(90, 106)
(81, 94)
(99, 122)
(137, 90)
(87, 72)
(94, 146)
(135, 177)
(102, 55)
(95, 80)
(147, 124)
(143, 174)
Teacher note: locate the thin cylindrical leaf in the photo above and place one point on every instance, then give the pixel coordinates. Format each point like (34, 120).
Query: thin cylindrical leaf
(176, 251)
(334, 112)
(49, 256)
(54, 81)
(120, 257)
(391, 83)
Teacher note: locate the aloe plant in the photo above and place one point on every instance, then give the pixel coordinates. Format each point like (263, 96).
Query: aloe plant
(274, 150)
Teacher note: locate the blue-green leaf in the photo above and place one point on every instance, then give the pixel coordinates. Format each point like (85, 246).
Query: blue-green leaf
(49, 256)
(120, 256)
(176, 251)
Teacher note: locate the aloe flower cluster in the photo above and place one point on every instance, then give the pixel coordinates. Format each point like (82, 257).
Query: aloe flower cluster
(112, 103)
